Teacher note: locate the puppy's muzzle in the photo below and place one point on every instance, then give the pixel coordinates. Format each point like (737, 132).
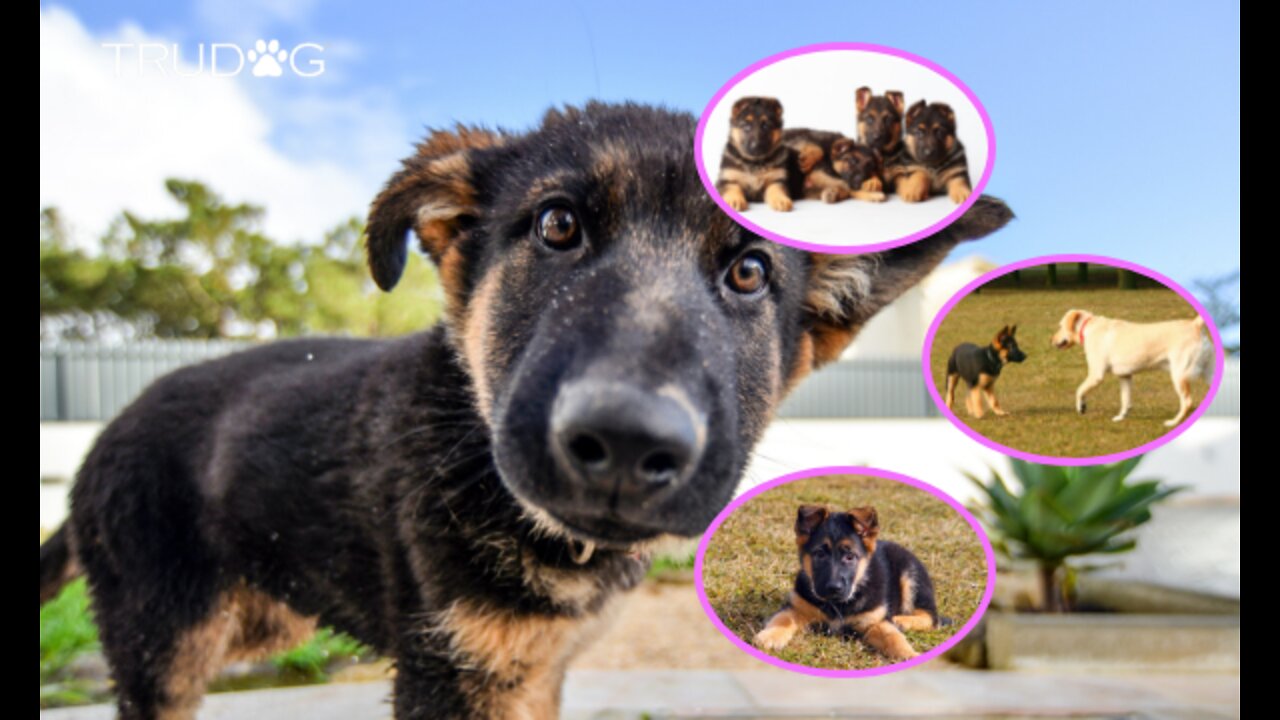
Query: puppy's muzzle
(616, 439)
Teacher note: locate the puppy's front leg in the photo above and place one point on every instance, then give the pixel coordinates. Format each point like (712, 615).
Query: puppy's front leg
(1185, 401)
(958, 190)
(882, 634)
(795, 615)
(732, 194)
(777, 197)
(914, 187)
(1126, 392)
(951, 390)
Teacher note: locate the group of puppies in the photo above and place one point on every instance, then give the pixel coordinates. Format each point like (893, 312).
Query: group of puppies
(1116, 346)
(913, 152)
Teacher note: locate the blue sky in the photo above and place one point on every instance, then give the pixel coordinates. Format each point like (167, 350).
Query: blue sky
(1117, 124)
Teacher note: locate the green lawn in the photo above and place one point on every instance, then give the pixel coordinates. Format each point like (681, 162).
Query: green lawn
(67, 632)
(1039, 393)
(751, 562)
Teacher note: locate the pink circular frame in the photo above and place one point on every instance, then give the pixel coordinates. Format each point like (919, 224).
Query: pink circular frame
(1219, 360)
(710, 185)
(845, 470)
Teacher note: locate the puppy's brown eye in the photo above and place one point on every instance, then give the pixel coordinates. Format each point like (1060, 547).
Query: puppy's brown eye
(749, 274)
(558, 227)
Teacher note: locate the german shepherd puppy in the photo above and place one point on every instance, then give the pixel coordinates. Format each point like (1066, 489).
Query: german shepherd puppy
(851, 581)
(756, 164)
(472, 500)
(880, 128)
(835, 167)
(979, 367)
(934, 161)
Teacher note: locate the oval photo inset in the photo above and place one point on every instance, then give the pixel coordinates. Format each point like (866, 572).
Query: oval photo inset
(845, 572)
(845, 147)
(1073, 360)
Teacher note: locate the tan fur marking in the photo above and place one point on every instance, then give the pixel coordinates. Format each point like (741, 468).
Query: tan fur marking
(803, 364)
(952, 381)
(245, 624)
(907, 586)
(521, 659)
(784, 625)
(958, 190)
(776, 196)
(476, 341)
(916, 620)
(734, 196)
(888, 639)
(914, 187)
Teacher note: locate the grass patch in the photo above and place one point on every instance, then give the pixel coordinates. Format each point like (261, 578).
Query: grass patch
(1040, 393)
(751, 562)
(67, 631)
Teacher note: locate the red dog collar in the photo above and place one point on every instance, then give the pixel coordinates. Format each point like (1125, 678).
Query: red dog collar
(1081, 330)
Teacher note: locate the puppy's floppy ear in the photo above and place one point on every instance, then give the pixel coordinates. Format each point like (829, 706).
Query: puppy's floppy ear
(895, 98)
(432, 195)
(739, 105)
(841, 146)
(809, 517)
(947, 112)
(861, 97)
(915, 111)
(845, 291)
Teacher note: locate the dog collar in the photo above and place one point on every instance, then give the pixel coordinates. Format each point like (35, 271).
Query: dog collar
(1081, 331)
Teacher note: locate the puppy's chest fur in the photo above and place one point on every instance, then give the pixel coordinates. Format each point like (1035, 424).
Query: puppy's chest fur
(753, 175)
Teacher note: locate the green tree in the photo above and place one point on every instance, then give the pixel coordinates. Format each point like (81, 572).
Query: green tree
(212, 273)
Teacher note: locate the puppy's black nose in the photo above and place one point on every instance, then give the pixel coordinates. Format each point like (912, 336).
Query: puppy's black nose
(832, 590)
(624, 440)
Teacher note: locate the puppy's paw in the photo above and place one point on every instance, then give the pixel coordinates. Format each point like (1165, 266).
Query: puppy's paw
(872, 185)
(1118, 418)
(1170, 423)
(959, 193)
(874, 196)
(833, 195)
(773, 638)
(735, 199)
(1001, 413)
(780, 202)
(914, 188)
(1081, 407)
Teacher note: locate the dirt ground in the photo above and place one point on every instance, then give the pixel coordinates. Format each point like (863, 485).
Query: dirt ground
(662, 626)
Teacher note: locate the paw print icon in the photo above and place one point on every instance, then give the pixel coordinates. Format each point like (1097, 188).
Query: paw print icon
(266, 58)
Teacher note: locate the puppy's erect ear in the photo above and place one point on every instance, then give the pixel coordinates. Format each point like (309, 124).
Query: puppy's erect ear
(915, 111)
(432, 195)
(861, 97)
(845, 291)
(809, 517)
(895, 98)
(1013, 329)
(865, 522)
(739, 105)
(947, 112)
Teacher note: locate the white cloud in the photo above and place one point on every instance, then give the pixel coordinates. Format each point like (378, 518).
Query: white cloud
(108, 141)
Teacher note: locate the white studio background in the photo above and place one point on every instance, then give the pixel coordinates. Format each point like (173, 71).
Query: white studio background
(817, 92)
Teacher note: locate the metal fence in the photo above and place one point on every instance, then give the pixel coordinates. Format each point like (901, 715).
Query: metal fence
(89, 381)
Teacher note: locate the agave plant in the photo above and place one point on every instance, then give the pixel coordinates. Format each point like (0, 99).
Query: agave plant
(1064, 512)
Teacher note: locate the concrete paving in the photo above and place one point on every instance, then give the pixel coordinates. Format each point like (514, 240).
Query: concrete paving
(602, 695)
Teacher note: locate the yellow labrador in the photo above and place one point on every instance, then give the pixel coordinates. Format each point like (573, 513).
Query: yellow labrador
(1124, 348)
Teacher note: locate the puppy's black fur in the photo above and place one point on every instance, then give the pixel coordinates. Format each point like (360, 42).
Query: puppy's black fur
(835, 167)
(757, 165)
(979, 367)
(469, 500)
(850, 580)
